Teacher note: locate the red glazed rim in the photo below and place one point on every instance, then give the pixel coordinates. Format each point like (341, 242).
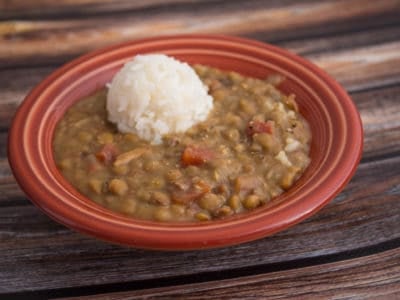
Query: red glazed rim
(335, 151)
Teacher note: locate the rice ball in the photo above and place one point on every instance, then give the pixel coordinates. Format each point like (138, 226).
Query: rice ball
(154, 95)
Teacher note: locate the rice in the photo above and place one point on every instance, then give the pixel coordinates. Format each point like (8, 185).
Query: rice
(154, 95)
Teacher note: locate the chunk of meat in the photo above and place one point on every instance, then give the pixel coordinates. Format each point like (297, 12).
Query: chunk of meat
(196, 156)
(181, 184)
(260, 127)
(93, 165)
(291, 103)
(192, 193)
(107, 153)
(160, 198)
(200, 184)
(185, 197)
(246, 183)
(126, 157)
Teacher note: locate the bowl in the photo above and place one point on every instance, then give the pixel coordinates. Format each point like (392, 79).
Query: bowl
(335, 149)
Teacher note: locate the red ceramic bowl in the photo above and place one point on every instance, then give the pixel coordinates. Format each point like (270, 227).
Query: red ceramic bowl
(335, 151)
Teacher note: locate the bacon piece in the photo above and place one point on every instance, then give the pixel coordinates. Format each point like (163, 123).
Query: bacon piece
(292, 103)
(196, 156)
(185, 197)
(246, 183)
(260, 127)
(126, 157)
(194, 191)
(107, 154)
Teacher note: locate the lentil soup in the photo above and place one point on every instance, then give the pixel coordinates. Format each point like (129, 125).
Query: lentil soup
(253, 146)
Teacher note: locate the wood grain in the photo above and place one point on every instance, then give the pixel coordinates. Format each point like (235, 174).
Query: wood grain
(49, 8)
(376, 276)
(65, 6)
(342, 41)
(350, 249)
(369, 63)
(37, 42)
(381, 120)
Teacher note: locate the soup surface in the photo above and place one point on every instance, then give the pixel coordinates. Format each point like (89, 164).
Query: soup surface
(253, 146)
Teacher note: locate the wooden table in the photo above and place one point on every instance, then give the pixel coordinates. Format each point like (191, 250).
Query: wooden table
(348, 250)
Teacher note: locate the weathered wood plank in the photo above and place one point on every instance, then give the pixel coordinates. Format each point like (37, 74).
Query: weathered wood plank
(38, 42)
(11, 194)
(49, 6)
(380, 115)
(14, 86)
(45, 253)
(342, 41)
(50, 9)
(376, 276)
(371, 63)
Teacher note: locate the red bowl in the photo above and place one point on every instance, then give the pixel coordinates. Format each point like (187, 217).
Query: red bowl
(335, 151)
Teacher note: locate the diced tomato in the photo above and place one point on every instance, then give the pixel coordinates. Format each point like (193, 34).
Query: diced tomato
(107, 154)
(260, 127)
(195, 156)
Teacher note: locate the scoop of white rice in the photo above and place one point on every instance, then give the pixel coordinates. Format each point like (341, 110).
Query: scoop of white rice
(154, 94)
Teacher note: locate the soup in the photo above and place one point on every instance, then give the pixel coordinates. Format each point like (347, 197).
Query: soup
(252, 147)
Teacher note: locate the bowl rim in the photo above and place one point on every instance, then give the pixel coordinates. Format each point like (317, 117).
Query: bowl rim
(183, 236)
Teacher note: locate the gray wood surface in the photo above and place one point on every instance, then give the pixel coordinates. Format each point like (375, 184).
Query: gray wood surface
(339, 280)
(350, 249)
